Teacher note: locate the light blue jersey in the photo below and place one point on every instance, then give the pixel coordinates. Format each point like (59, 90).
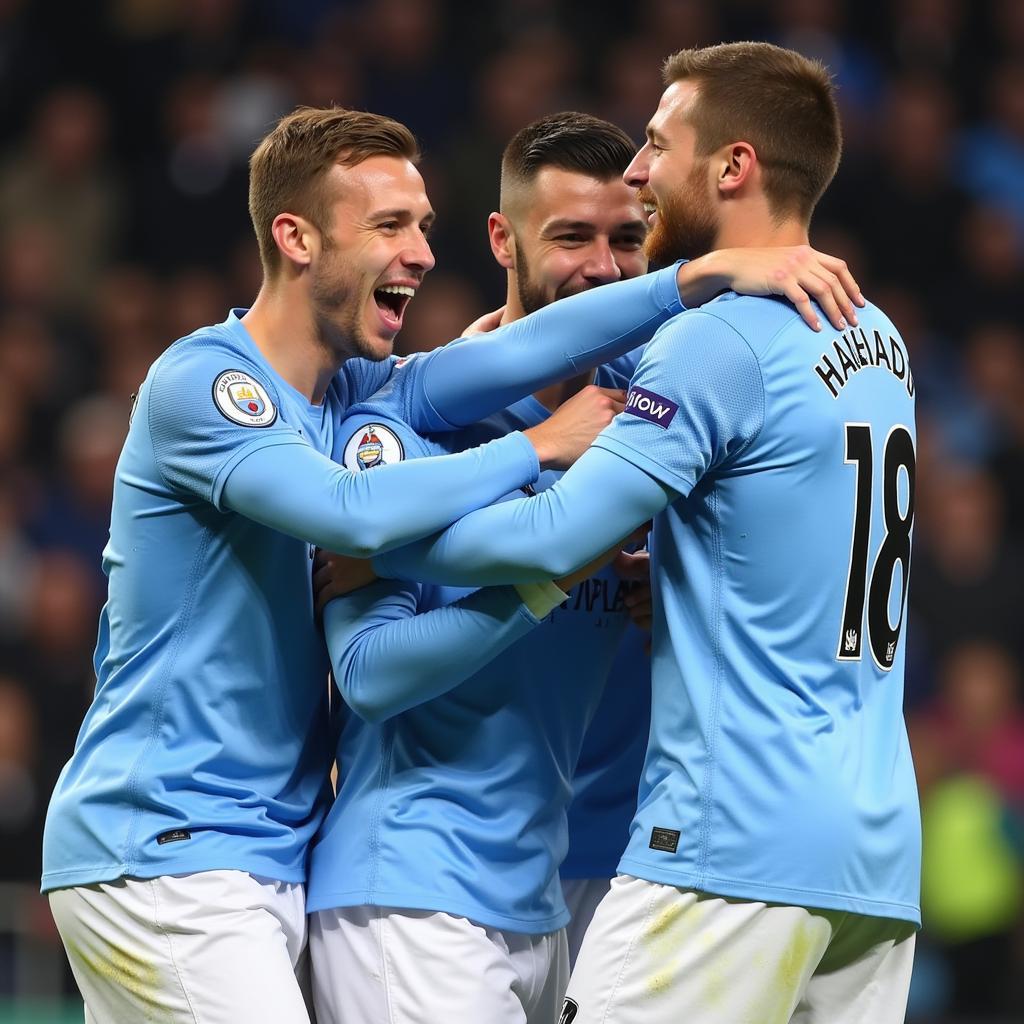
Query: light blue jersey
(458, 803)
(780, 465)
(604, 784)
(206, 746)
(779, 767)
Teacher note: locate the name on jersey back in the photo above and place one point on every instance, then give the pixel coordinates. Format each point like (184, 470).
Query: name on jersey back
(855, 351)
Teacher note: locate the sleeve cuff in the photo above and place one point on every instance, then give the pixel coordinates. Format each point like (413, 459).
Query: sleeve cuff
(671, 299)
(541, 599)
(531, 465)
(643, 461)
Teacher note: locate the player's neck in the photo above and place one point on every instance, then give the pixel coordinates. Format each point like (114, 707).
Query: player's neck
(286, 335)
(513, 307)
(753, 226)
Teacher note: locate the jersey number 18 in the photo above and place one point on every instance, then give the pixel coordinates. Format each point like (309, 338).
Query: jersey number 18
(874, 590)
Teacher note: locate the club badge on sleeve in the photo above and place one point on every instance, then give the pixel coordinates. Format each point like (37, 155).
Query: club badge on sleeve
(243, 400)
(373, 445)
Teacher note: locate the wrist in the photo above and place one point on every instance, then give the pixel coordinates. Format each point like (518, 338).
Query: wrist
(541, 599)
(701, 279)
(544, 451)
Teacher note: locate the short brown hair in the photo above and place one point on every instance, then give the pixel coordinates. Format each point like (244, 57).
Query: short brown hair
(287, 169)
(570, 141)
(780, 102)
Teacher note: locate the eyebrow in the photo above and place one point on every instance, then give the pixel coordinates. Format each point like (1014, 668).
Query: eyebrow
(585, 225)
(402, 213)
(565, 224)
(654, 135)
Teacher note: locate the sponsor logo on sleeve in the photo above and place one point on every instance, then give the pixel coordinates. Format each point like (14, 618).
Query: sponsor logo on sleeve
(243, 400)
(373, 445)
(649, 406)
(569, 1010)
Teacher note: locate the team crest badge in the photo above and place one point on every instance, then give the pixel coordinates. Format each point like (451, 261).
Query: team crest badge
(373, 445)
(370, 452)
(243, 400)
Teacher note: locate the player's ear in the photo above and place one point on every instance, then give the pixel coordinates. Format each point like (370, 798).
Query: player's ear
(737, 165)
(502, 240)
(297, 239)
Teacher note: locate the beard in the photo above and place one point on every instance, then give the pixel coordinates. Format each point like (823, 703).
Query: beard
(336, 309)
(531, 294)
(686, 226)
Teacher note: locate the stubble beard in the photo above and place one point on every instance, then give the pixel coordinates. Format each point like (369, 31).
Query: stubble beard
(686, 227)
(338, 313)
(532, 295)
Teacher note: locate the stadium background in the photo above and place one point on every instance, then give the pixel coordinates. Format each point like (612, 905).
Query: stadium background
(125, 127)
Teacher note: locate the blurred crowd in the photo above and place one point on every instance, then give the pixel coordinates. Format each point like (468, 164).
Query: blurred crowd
(125, 128)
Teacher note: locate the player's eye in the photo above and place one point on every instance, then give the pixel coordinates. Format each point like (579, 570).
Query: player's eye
(630, 244)
(571, 239)
(389, 227)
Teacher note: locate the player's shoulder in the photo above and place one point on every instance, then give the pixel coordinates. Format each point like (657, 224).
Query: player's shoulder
(877, 316)
(229, 335)
(216, 360)
(364, 377)
(756, 318)
(386, 379)
(374, 434)
(373, 388)
(727, 328)
(212, 346)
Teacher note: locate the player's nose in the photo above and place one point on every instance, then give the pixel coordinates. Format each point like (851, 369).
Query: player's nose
(637, 173)
(601, 267)
(419, 256)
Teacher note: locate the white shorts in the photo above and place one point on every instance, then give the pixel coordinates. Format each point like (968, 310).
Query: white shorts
(656, 954)
(214, 947)
(381, 965)
(582, 895)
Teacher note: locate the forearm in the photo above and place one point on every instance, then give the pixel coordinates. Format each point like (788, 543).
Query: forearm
(293, 489)
(467, 381)
(388, 658)
(598, 502)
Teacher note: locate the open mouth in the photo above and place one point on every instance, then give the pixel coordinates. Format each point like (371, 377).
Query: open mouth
(650, 204)
(391, 301)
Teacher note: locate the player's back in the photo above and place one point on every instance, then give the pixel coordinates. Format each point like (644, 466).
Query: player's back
(779, 767)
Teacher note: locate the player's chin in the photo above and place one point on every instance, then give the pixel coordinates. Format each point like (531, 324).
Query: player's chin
(573, 288)
(377, 348)
(378, 340)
